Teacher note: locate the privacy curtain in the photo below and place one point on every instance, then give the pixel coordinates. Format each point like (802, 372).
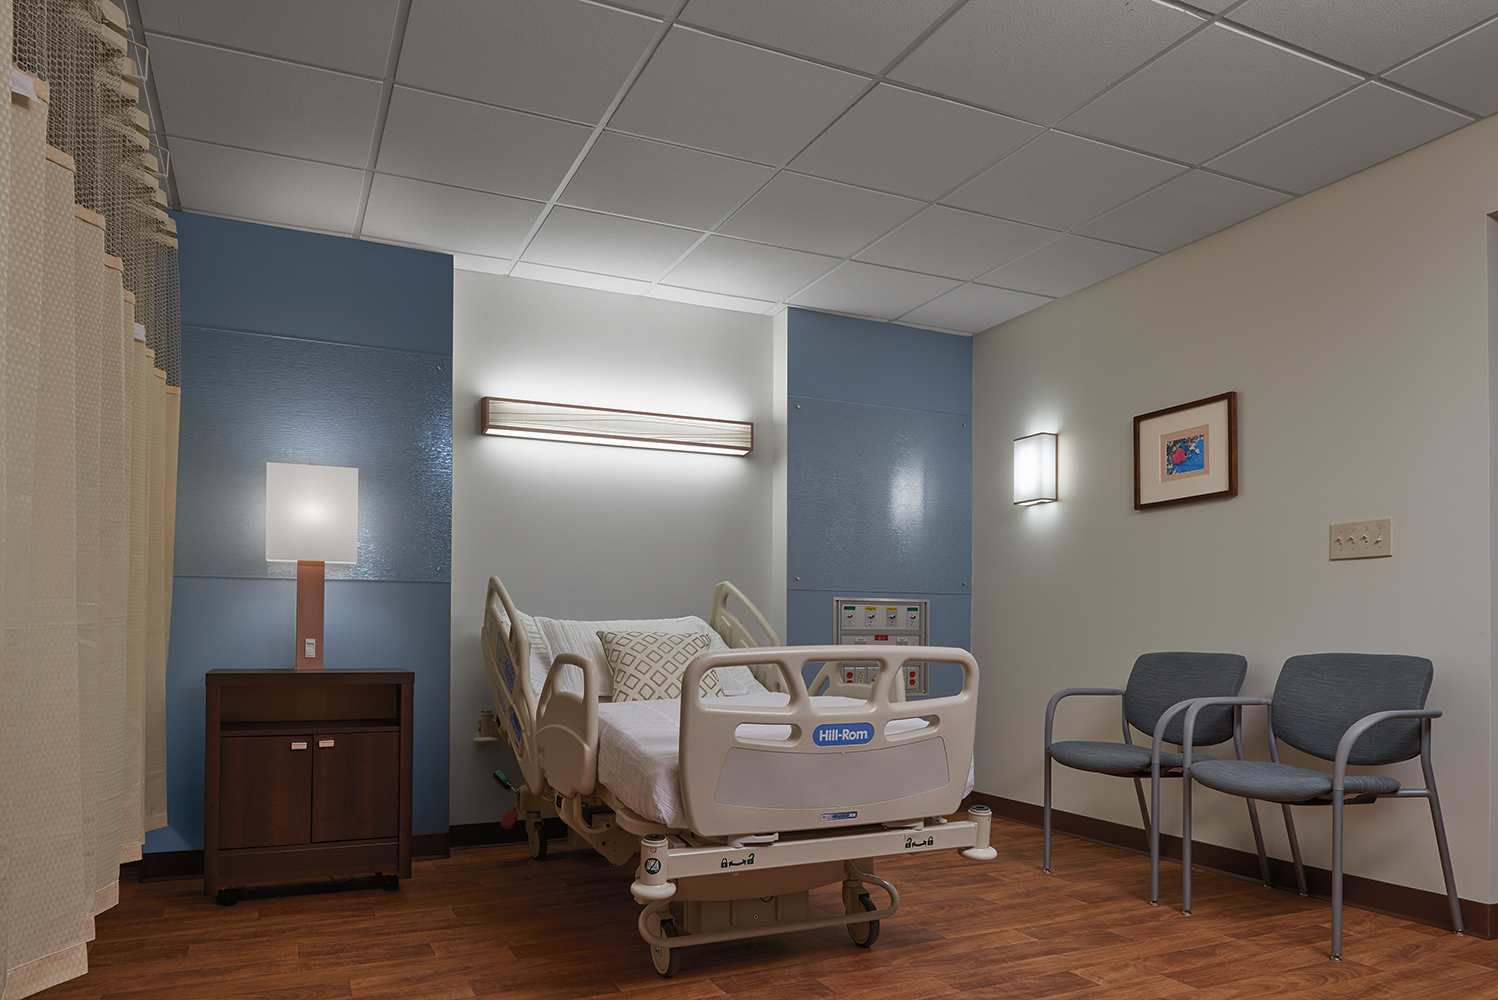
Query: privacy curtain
(88, 428)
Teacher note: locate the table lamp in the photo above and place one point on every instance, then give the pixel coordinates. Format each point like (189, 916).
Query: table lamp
(311, 519)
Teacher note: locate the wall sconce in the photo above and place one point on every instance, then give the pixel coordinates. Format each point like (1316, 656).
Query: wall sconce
(1035, 469)
(311, 519)
(524, 418)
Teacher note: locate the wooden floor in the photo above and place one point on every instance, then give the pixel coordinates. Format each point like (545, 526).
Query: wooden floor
(491, 922)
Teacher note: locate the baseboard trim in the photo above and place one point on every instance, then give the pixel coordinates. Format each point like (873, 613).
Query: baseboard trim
(1399, 901)
(166, 866)
(462, 835)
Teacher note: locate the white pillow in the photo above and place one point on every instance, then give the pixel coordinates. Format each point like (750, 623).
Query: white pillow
(582, 638)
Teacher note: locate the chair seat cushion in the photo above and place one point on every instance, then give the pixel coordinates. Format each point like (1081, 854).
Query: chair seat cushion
(1262, 779)
(1117, 758)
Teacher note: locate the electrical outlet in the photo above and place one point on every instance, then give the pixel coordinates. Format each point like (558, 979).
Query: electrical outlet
(1362, 539)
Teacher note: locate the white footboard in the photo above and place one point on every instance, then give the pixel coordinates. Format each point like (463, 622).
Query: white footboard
(836, 766)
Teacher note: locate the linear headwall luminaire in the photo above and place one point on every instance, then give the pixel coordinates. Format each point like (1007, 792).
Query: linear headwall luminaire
(1035, 469)
(526, 418)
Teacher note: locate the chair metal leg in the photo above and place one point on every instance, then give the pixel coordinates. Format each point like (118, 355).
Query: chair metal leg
(1253, 819)
(1337, 820)
(1186, 843)
(1435, 816)
(1300, 869)
(1154, 835)
(1045, 823)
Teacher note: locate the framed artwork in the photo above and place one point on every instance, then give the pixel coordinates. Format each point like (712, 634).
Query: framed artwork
(1187, 452)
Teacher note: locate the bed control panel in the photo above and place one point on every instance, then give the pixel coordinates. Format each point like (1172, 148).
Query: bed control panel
(860, 621)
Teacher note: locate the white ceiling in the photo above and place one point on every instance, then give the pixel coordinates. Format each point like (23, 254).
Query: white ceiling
(948, 164)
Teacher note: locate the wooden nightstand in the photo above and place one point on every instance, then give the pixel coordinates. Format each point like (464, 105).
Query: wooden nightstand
(307, 775)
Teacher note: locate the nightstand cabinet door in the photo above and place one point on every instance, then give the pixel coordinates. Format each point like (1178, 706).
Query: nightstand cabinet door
(272, 781)
(356, 786)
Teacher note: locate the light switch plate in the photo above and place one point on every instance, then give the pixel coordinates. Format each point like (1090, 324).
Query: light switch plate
(1362, 539)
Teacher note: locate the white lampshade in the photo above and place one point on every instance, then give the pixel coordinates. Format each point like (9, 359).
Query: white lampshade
(1035, 469)
(311, 513)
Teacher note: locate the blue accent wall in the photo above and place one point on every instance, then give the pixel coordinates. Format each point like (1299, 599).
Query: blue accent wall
(879, 497)
(299, 347)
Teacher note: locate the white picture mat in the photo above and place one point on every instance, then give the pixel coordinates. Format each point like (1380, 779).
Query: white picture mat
(1215, 416)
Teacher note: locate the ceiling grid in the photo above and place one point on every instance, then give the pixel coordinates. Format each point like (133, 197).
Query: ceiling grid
(941, 164)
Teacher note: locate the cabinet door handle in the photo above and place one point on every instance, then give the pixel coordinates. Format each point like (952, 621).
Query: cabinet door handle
(302, 745)
(324, 743)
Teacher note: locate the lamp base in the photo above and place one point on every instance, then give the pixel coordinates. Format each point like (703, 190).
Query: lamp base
(309, 595)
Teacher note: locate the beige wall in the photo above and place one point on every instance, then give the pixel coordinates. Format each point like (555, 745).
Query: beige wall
(1353, 324)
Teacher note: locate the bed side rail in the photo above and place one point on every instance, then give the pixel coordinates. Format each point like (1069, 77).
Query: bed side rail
(836, 766)
(507, 653)
(737, 636)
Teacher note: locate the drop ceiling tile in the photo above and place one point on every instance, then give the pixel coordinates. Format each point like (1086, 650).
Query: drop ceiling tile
(603, 244)
(854, 33)
(1369, 34)
(484, 265)
(1068, 264)
(1040, 59)
(1183, 211)
(807, 213)
(447, 218)
(1358, 129)
(651, 180)
(716, 301)
(349, 35)
(955, 244)
(732, 98)
(752, 270)
(1060, 181)
(1213, 91)
(897, 140)
(579, 279)
(562, 57)
(1459, 72)
(974, 308)
(217, 96)
(452, 141)
(868, 290)
(264, 188)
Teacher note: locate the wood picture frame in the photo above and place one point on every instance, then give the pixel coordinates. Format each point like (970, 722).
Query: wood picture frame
(1186, 452)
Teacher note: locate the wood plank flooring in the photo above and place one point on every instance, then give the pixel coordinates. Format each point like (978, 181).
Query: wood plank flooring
(490, 922)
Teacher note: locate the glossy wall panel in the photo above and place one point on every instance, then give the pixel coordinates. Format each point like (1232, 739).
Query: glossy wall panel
(257, 399)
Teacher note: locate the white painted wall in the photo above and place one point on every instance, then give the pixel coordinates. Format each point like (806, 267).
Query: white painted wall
(579, 531)
(1353, 324)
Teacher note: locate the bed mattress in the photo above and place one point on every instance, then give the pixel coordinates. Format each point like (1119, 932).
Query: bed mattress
(639, 741)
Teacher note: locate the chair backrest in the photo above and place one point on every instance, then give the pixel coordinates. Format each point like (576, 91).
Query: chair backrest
(1159, 680)
(1320, 695)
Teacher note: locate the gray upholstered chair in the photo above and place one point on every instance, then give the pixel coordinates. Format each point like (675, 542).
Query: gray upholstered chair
(1347, 708)
(1160, 688)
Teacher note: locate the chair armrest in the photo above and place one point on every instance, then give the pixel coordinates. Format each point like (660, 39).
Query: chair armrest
(1357, 729)
(1197, 704)
(1165, 717)
(1050, 709)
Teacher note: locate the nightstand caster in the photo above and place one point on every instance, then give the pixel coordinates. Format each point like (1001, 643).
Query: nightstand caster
(228, 897)
(390, 883)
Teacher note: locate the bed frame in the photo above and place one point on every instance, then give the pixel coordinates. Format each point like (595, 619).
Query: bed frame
(769, 819)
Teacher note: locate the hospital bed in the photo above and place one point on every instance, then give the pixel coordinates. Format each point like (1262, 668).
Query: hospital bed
(737, 805)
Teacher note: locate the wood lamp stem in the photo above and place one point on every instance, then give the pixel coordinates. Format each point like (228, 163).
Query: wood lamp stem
(310, 577)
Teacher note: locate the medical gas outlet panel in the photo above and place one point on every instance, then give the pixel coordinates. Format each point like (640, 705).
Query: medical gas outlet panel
(865, 622)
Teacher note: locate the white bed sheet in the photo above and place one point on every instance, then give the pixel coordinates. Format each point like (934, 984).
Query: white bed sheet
(639, 744)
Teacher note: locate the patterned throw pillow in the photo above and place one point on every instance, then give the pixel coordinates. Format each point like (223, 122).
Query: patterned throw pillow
(647, 666)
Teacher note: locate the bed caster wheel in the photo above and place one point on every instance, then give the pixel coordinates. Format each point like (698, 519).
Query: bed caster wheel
(864, 935)
(227, 897)
(389, 883)
(535, 835)
(667, 961)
